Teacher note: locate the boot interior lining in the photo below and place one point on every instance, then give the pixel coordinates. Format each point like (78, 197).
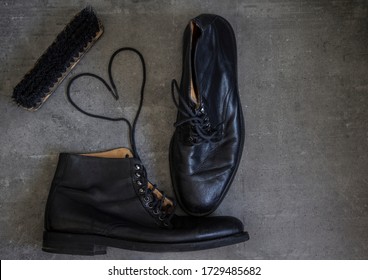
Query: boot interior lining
(195, 34)
(115, 153)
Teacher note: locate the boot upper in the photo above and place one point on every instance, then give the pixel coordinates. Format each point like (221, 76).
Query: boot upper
(112, 197)
(91, 194)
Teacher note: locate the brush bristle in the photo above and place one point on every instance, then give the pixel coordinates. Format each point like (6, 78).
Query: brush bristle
(68, 46)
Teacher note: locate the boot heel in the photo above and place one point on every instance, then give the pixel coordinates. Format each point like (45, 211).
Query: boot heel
(75, 244)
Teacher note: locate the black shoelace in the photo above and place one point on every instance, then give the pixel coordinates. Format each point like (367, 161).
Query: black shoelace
(114, 92)
(155, 203)
(198, 121)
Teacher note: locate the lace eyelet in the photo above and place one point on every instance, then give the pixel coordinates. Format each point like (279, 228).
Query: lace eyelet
(138, 175)
(161, 218)
(139, 183)
(149, 205)
(156, 212)
(147, 199)
(166, 224)
(137, 167)
(141, 191)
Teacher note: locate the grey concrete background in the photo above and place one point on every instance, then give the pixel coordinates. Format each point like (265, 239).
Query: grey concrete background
(302, 186)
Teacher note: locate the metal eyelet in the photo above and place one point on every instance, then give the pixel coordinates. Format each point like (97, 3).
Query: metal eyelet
(137, 167)
(202, 110)
(150, 205)
(138, 175)
(139, 183)
(156, 212)
(161, 218)
(166, 224)
(141, 191)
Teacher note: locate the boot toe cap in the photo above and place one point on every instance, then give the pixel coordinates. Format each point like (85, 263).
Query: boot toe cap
(201, 194)
(209, 228)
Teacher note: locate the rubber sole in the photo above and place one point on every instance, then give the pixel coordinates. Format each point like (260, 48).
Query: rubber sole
(84, 244)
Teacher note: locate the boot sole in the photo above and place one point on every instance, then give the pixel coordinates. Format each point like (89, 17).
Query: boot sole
(88, 244)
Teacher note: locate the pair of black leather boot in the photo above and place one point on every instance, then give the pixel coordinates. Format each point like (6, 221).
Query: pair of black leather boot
(105, 199)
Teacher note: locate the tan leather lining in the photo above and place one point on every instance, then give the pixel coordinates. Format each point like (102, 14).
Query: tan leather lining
(126, 153)
(158, 194)
(115, 153)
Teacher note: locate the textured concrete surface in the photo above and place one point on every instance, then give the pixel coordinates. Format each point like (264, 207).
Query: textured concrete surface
(302, 186)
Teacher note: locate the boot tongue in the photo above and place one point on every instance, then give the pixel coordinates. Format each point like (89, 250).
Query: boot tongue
(194, 96)
(167, 203)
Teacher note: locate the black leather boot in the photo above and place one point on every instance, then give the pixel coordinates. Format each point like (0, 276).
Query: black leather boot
(207, 144)
(101, 200)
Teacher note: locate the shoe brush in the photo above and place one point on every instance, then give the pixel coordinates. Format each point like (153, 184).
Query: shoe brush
(58, 60)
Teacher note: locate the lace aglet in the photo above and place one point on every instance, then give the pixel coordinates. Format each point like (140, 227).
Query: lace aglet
(114, 92)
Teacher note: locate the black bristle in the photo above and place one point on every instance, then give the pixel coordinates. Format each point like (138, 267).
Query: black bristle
(56, 60)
